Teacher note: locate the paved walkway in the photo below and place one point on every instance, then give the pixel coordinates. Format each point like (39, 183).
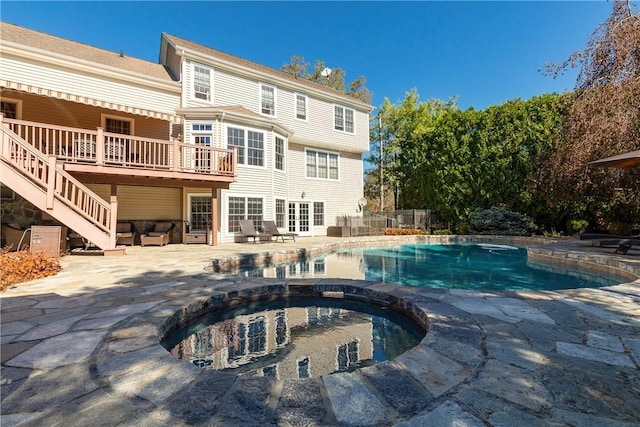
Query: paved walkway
(81, 348)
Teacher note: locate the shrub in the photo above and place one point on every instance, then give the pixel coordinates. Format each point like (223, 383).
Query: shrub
(443, 232)
(577, 226)
(403, 231)
(22, 266)
(498, 221)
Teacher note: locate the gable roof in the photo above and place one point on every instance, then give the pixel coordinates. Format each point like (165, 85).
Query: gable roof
(180, 44)
(46, 42)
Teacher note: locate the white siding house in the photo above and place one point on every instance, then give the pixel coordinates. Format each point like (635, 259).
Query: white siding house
(216, 137)
(300, 143)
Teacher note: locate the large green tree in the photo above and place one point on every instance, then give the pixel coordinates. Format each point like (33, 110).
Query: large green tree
(437, 156)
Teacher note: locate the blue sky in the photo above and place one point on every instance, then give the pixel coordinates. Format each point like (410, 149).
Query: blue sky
(482, 52)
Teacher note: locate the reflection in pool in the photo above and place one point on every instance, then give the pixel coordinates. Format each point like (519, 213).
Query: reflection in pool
(295, 338)
(462, 266)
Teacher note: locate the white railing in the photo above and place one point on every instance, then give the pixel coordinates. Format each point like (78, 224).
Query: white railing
(103, 148)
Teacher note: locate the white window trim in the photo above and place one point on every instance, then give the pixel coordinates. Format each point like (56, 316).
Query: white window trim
(245, 197)
(285, 207)
(18, 103)
(313, 213)
(321, 151)
(195, 133)
(192, 92)
(275, 99)
(344, 118)
(104, 117)
(189, 197)
(284, 153)
(295, 106)
(246, 148)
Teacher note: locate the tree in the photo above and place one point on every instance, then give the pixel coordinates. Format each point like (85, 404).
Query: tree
(437, 156)
(334, 79)
(604, 120)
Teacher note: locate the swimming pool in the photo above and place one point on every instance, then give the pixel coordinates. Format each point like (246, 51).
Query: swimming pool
(478, 266)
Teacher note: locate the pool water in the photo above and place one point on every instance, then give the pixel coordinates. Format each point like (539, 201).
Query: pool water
(462, 266)
(294, 338)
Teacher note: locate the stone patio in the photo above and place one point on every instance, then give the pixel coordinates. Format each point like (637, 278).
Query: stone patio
(82, 348)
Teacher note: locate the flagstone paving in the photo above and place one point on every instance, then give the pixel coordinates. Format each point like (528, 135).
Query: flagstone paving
(82, 348)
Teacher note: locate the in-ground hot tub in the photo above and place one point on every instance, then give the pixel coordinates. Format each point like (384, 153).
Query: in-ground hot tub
(294, 337)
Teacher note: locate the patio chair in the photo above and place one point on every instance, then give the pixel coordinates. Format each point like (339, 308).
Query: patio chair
(125, 233)
(15, 238)
(159, 234)
(271, 228)
(626, 245)
(248, 230)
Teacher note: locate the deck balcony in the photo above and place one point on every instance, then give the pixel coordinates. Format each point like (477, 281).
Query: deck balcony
(126, 159)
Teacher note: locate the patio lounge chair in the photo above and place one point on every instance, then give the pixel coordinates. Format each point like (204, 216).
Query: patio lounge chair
(626, 245)
(271, 228)
(159, 234)
(248, 230)
(125, 233)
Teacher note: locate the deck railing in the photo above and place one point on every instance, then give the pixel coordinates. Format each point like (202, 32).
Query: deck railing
(55, 182)
(112, 149)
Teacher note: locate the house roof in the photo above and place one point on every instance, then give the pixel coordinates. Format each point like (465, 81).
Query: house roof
(237, 112)
(46, 42)
(180, 43)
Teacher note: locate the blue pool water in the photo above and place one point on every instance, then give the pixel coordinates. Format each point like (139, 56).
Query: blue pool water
(462, 266)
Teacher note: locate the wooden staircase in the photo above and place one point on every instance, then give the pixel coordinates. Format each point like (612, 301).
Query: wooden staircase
(41, 180)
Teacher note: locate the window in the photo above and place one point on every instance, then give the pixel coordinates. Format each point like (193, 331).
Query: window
(280, 217)
(10, 108)
(347, 356)
(322, 165)
(303, 368)
(301, 106)
(255, 148)
(281, 328)
(268, 99)
(251, 141)
(199, 212)
(257, 336)
(279, 153)
(117, 125)
(318, 213)
(235, 138)
(236, 342)
(343, 119)
(202, 82)
(202, 135)
(244, 208)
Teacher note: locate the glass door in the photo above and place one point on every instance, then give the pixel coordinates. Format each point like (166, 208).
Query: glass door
(299, 218)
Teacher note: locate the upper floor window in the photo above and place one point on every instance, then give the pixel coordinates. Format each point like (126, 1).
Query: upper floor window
(202, 82)
(268, 99)
(301, 106)
(10, 108)
(343, 119)
(321, 165)
(279, 153)
(255, 148)
(119, 125)
(250, 145)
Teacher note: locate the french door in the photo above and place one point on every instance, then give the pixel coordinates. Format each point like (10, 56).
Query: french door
(299, 218)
